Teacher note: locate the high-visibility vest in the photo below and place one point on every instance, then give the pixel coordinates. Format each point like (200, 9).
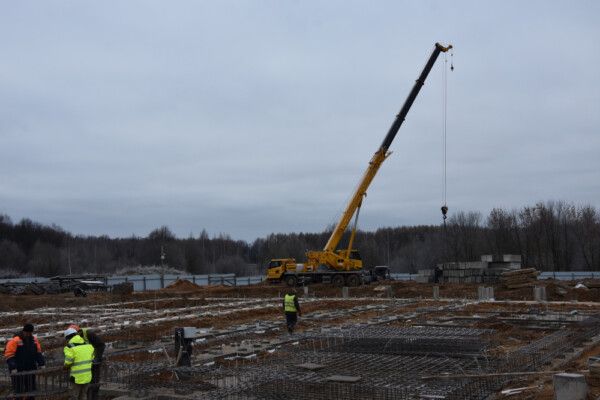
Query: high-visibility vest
(288, 302)
(79, 357)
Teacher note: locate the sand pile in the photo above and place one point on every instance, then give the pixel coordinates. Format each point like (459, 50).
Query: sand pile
(183, 285)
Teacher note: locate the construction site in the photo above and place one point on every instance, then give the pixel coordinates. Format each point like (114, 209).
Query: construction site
(392, 340)
(325, 324)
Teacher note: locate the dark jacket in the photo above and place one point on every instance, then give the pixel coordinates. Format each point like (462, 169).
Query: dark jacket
(95, 340)
(24, 353)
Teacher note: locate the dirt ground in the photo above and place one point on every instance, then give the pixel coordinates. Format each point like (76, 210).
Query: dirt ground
(556, 291)
(193, 301)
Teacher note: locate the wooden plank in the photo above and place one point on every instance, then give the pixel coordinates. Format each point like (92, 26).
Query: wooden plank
(520, 271)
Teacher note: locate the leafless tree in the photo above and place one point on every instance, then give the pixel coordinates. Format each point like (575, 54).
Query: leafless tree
(587, 236)
(464, 236)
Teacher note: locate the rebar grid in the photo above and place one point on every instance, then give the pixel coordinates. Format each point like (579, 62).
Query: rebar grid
(387, 331)
(384, 376)
(381, 375)
(387, 363)
(290, 381)
(407, 340)
(48, 383)
(535, 355)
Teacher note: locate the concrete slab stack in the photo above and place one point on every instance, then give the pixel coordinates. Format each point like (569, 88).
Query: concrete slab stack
(487, 270)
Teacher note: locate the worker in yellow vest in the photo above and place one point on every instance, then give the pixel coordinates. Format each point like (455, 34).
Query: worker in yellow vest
(95, 340)
(291, 308)
(78, 361)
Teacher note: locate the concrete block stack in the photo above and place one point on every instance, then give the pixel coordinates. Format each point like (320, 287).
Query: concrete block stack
(519, 278)
(488, 270)
(463, 272)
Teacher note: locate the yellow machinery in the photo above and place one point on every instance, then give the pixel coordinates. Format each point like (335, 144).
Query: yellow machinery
(344, 266)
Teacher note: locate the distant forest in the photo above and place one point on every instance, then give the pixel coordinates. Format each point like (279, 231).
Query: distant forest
(551, 236)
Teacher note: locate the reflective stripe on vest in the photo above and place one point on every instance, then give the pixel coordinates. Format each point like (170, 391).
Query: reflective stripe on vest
(288, 301)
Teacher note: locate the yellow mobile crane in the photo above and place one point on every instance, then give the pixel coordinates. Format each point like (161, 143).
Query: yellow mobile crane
(344, 266)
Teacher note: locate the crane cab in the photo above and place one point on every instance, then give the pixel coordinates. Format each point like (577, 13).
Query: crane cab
(279, 266)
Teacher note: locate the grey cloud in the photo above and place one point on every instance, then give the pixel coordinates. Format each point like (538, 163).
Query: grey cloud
(251, 118)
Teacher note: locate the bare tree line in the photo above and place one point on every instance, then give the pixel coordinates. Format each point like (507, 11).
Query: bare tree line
(551, 236)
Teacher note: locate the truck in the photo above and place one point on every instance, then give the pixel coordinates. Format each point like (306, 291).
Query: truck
(344, 267)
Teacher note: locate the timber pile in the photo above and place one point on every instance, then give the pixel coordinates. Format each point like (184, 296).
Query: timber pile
(519, 278)
(55, 285)
(35, 288)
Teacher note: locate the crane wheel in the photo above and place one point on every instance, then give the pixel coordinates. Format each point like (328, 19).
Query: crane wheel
(352, 281)
(338, 280)
(291, 281)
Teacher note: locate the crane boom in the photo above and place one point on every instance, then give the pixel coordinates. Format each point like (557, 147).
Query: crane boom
(381, 154)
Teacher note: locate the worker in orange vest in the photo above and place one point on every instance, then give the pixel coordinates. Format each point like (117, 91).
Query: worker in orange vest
(24, 353)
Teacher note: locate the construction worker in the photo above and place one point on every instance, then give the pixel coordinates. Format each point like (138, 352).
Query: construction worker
(79, 356)
(89, 337)
(438, 273)
(24, 353)
(291, 308)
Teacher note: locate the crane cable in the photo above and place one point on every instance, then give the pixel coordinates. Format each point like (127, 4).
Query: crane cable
(444, 143)
(444, 138)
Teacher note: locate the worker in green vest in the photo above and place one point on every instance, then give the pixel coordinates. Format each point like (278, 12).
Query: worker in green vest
(291, 308)
(78, 361)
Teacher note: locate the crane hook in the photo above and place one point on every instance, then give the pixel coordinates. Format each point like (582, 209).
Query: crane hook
(444, 211)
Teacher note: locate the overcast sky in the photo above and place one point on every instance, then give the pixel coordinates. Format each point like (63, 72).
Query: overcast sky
(252, 117)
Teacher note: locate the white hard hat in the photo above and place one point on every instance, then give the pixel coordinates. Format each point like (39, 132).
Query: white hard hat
(69, 332)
